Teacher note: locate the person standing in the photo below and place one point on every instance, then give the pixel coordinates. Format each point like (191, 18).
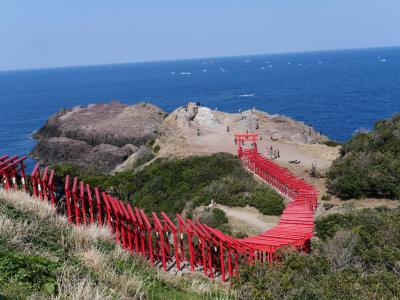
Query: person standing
(271, 152)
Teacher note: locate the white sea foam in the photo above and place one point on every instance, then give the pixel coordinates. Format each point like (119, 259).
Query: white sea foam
(246, 95)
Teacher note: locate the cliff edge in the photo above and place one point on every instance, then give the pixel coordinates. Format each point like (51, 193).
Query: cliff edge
(100, 136)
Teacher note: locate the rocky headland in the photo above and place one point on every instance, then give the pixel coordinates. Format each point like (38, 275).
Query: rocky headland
(99, 136)
(113, 136)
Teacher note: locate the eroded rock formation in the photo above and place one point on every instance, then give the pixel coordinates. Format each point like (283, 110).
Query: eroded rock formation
(100, 136)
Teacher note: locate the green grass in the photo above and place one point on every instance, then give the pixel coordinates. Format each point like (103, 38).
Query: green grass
(41, 255)
(170, 185)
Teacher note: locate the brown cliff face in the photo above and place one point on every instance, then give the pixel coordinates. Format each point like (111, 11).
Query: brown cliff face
(101, 136)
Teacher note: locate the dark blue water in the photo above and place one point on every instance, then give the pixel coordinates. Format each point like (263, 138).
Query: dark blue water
(337, 92)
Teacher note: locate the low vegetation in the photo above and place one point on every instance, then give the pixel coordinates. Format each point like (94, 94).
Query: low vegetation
(331, 143)
(170, 185)
(41, 256)
(369, 164)
(357, 256)
(215, 218)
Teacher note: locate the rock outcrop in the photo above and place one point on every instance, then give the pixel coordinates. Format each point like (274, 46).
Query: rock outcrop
(99, 136)
(107, 136)
(194, 129)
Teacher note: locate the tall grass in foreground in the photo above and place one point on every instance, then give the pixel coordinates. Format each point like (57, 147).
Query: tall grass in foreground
(42, 256)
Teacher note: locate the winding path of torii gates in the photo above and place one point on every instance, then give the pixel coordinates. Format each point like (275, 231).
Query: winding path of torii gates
(175, 241)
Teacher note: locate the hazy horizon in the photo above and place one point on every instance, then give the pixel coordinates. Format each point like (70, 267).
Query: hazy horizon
(198, 58)
(48, 34)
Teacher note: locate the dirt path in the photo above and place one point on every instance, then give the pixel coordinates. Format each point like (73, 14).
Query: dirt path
(248, 219)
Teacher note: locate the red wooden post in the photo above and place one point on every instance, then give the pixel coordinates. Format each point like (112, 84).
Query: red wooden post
(149, 235)
(90, 200)
(23, 176)
(174, 232)
(230, 263)
(44, 183)
(181, 242)
(82, 198)
(160, 230)
(34, 180)
(52, 189)
(122, 221)
(202, 242)
(127, 224)
(99, 211)
(142, 229)
(76, 204)
(14, 177)
(5, 171)
(115, 219)
(108, 210)
(68, 199)
(189, 234)
(135, 227)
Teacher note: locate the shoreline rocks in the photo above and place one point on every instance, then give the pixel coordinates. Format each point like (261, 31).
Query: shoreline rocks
(99, 136)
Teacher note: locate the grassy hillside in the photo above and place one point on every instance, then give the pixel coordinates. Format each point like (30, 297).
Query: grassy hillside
(170, 185)
(42, 256)
(357, 256)
(369, 164)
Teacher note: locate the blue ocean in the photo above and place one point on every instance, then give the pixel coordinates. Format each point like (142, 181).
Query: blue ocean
(337, 92)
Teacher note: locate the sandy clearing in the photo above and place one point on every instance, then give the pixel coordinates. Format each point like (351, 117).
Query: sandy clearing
(242, 217)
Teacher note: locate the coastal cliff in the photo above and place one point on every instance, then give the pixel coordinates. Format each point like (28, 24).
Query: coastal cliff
(108, 136)
(101, 136)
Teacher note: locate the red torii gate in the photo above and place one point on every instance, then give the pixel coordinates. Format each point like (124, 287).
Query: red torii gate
(240, 139)
(188, 242)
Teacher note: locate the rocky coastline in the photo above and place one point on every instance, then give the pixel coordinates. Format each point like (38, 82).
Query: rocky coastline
(105, 137)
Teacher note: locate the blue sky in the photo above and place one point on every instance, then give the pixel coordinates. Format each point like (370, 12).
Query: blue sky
(50, 33)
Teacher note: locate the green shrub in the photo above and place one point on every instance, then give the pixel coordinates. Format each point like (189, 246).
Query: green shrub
(215, 217)
(331, 143)
(369, 164)
(357, 257)
(169, 184)
(21, 275)
(156, 148)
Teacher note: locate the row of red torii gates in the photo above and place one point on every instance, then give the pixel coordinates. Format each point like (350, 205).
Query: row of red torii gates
(174, 241)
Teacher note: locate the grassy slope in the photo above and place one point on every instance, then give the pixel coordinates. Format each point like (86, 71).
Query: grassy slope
(171, 185)
(40, 254)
